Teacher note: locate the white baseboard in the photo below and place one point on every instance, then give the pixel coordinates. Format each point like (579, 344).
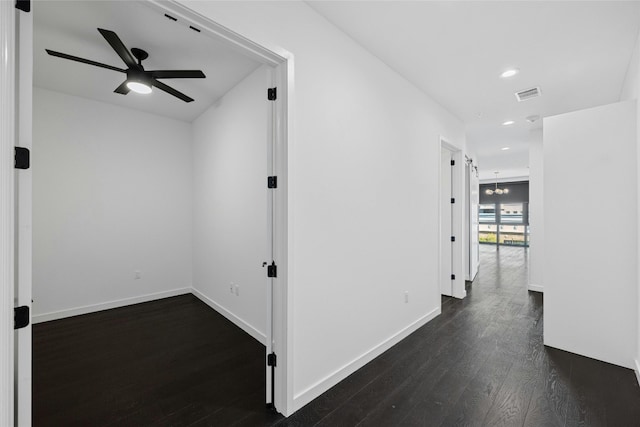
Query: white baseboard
(535, 288)
(637, 370)
(326, 383)
(259, 336)
(61, 314)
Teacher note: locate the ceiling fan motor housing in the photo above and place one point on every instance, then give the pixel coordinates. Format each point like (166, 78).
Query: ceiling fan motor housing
(138, 76)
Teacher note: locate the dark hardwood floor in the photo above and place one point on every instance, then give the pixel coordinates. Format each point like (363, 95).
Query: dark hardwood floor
(172, 362)
(176, 362)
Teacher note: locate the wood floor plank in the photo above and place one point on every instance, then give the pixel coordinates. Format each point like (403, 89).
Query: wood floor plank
(478, 397)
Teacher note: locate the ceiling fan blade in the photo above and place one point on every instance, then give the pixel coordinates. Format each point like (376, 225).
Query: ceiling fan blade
(171, 90)
(119, 47)
(123, 88)
(177, 74)
(84, 61)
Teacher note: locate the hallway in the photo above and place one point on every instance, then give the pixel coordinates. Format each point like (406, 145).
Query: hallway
(481, 362)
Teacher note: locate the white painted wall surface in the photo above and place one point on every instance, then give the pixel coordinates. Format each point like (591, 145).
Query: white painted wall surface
(230, 204)
(111, 196)
(631, 91)
(590, 197)
(630, 86)
(363, 168)
(536, 212)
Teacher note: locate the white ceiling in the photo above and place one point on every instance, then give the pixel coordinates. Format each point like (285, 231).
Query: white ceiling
(71, 27)
(576, 51)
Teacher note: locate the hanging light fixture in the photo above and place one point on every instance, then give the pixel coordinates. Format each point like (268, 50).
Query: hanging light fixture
(496, 190)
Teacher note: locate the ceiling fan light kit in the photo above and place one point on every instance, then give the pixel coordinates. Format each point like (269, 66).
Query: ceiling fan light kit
(138, 79)
(139, 87)
(138, 82)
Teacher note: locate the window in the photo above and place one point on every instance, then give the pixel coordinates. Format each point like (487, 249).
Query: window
(503, 224)
(513, 235)
(487, 214)
(512, 213)
(488, 233)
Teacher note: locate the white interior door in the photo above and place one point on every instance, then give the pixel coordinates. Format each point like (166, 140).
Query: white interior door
(474, 243)
(446, 212)
(23, 217)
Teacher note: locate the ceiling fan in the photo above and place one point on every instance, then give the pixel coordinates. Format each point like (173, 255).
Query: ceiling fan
(138, 79)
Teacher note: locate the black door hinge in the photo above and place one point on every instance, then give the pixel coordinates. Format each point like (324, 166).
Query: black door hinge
(272, 94)
(23, 5)
(453, 200)
(271, 359)
(272, 182)
(20, 317)
(22, 158)
(453, 238)
(272, 270)
(453, 277)
(453, 162)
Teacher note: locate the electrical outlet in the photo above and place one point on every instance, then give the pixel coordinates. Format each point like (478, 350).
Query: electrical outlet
(406, 297)
(137, 274)
(237, 290)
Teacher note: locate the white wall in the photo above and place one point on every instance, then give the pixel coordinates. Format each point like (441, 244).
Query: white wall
(631, 91)
(363, 177)
(111, 196)
(590, 197)
(536, 212)
(230, 204)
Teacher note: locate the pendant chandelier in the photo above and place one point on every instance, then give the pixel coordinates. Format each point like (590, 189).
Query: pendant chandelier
(496, 190)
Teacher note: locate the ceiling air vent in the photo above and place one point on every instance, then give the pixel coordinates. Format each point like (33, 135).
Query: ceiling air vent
(524, 95)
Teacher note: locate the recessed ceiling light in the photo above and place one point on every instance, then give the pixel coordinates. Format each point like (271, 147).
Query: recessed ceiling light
(509, 73)
(505, 148)
(508, 122)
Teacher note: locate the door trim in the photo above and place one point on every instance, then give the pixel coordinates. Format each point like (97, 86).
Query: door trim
(7, 208)
(23, 225)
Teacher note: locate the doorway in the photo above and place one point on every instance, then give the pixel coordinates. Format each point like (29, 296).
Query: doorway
(275, 333)
(452, 239)
(446, 222)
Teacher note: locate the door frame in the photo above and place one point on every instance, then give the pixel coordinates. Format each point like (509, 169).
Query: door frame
(457, 221)
(281, 63)
(446, 222)
(8, 132)
(23, 212)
